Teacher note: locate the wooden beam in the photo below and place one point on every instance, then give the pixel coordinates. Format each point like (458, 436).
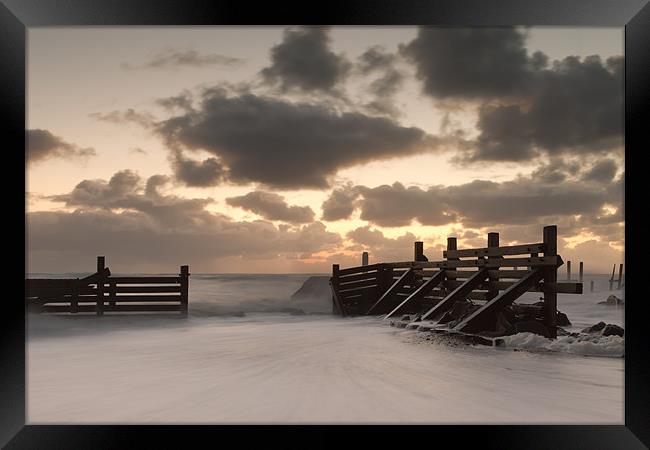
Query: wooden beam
(532, 261)
(479, 318)
(420, 292)
(353, 270)
(364, 259)
(101, 279)
(457, 294)
(498, 251)
(390, 293)
(550, 276)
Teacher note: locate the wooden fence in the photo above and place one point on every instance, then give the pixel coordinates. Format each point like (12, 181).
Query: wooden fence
(431, 288)
(102, 293)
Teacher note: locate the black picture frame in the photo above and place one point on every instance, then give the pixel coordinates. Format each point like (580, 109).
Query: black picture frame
(634, 15)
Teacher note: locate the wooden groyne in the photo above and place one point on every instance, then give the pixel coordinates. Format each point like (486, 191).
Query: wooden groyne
(429, 289)
(101, 293)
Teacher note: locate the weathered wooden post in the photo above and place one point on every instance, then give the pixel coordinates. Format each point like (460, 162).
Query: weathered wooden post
(100, 285)
(452, 244)
(364, 259)
(591, 287)
(568, 270)
(419, 252)
(581, 273)
(620, 275)
(493, 242)
(550, 280)
(335, 288)
(611, 280)
(74, 300)
(185, 285)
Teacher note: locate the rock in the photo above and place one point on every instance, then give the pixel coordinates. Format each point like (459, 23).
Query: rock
(595, 328)
(314, 295)
(613, 330)
(562, 319)
(563, 332)
(531, 326)
(406, 318)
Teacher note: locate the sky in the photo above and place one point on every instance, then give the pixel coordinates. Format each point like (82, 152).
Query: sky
(289, 149)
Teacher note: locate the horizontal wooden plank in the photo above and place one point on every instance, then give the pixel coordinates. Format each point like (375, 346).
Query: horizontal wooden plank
(505, 262)
(457, 274)
(359, 277)
(495, 251)
(144, 298)
(116, 308)
(353, 270)
(358, 284)
(357, 291)
(146, 289)
(144, 280)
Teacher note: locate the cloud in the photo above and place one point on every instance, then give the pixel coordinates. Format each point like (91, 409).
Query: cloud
(304, 61)
(174, 58)
(134, 224)
(208, 172)
(138, 151)
(340, 204)
(602, 171)
(272, 206)
(574, 108)
(144, 119)
(43, 145)
(381, 248)
(289, 145)
(527, 201)
(528, 108)
(376, 60)
(470, 63)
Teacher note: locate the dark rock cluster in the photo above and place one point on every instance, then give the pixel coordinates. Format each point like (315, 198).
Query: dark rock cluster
(604, 329)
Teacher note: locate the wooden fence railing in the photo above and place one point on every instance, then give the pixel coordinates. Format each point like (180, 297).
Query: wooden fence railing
(430, 288)
(102, 293)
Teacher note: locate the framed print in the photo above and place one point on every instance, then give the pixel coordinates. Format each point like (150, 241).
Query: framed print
(379, 214)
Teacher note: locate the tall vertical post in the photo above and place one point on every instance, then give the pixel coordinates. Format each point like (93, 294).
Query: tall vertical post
(611, 280)
(74, 300)
(419, 252)
(581, 273)
(101, 265)
(550, 281)
(493, 242)
(452, 244)
(620, 275)
(185, 289)
(335, 286)
(568, 270)
(591, 287)
(364, 259)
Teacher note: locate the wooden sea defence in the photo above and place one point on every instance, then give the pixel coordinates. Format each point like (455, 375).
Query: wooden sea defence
(101, 293)
(490, 277)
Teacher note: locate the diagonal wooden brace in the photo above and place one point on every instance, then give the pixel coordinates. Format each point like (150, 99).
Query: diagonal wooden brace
(392, 291)
(458, 294)
(420, 292)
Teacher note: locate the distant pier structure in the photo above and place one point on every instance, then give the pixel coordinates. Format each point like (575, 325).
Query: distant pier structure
(477, 286)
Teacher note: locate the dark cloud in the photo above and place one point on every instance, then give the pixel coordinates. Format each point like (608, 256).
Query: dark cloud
(174, 58)
(182, 102)
(603, 171)
(573, 108)
(396, 205)
(208, 172)
(527, 201)
(471, 63)
(42, 145)
(289, 145)
(304, 61)
(272, 206)
(340, 204)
